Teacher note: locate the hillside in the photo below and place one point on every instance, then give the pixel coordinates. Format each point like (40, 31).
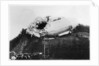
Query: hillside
(71, 46)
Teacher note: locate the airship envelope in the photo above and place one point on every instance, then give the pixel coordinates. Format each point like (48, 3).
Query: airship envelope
(48, 26)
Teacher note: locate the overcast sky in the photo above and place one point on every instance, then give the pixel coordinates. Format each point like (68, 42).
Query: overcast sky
(22, 16)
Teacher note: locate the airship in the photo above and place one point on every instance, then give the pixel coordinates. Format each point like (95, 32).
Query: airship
(51, 26)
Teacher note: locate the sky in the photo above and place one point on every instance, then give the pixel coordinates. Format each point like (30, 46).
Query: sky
(20, 16)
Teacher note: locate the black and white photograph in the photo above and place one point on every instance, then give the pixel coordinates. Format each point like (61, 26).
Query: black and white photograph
(49, 32)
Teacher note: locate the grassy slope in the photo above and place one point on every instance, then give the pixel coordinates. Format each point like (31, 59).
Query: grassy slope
(72, 46)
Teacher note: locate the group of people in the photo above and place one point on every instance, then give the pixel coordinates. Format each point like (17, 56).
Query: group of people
(25, 56)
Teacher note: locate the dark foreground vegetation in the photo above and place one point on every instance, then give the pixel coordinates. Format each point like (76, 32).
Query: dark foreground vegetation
(74, 46)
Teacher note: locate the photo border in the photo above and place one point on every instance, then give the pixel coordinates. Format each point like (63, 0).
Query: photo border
(5, 32)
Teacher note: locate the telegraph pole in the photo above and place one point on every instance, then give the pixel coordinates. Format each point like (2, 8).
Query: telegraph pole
(44, 43)
(44, 49)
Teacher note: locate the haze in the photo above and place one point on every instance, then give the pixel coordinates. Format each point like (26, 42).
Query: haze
(21, 15)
